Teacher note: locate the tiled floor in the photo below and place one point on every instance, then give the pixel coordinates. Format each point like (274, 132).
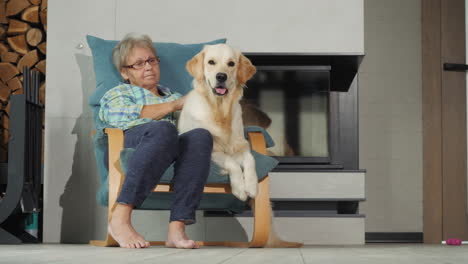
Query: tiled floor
(371, 253)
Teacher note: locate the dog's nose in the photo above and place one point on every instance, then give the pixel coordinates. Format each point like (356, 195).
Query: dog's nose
(221, 77)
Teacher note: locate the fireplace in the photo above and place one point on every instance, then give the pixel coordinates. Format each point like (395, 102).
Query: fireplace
(308, 103)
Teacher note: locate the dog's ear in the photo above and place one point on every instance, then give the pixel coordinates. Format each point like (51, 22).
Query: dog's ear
(195, 66)
(246, 70)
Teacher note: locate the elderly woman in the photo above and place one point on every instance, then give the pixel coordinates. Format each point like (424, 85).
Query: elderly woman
(144, 110)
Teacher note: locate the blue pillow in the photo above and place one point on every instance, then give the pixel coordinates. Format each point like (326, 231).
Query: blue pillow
(173, 56)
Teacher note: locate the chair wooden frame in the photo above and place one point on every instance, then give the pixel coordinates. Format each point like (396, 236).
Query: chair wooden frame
(260, 205)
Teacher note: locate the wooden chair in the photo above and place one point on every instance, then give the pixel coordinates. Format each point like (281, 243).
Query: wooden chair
(263, 236)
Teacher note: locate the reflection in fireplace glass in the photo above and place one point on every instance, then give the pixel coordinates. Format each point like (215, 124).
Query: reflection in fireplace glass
(292, 103)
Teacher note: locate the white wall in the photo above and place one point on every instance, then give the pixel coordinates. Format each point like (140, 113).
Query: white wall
(71, 213)
(323, 26)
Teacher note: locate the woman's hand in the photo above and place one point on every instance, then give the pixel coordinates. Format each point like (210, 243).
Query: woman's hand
(179, 103)
(158, 111)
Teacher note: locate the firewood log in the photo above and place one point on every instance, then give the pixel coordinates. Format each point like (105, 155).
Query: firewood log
(44, 5)
(41, 66)
(7, 109)
(10, 57)
(30, 59)
(31, 14)
(7, 71)
(18, 91)
(5, 125)
(42, 93)
(42, 47)
(15, 84)
(3, 18)
(4, 92)
(16, 6)
(17, 27)
(18, 44)
(4, 137)
(35, 2)
(2, 32)
(6, 134)
(3, 47)
(43, 15)
(34, 36)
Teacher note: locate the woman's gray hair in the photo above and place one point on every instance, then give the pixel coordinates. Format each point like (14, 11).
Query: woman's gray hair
(126, 45)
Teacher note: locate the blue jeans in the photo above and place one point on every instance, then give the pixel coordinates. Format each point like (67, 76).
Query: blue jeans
(157, 145)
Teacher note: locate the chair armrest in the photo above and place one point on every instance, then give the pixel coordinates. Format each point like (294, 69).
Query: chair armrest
(113, 132)
(116, 176)
(268, 139)
(257, 142)
(116, 144)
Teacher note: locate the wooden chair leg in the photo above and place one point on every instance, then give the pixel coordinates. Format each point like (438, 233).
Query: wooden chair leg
(261, 211)
(116, 178)
(109, 241)
(264, 234)
(262, 214)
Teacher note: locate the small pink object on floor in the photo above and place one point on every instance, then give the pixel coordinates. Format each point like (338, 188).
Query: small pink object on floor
(453, 242)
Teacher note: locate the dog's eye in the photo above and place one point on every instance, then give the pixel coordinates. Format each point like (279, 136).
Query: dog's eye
(231, 64)
(211, 62)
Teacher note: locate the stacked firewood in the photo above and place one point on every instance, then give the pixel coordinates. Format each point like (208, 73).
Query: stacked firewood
(23, 28)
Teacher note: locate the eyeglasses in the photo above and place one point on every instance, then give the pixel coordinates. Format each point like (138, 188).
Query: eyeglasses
(141, 64)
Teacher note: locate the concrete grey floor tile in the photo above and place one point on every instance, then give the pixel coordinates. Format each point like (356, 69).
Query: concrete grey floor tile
(78, 254)
(386, 253)
(365, 254)
(204, 255)
(268, 255)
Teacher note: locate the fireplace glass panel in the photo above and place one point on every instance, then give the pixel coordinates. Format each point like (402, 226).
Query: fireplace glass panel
(292, 103)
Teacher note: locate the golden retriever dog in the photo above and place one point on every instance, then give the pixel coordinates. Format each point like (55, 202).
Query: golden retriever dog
(220, 73)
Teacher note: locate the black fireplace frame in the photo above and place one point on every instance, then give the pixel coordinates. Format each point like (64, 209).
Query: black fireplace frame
(343, 106)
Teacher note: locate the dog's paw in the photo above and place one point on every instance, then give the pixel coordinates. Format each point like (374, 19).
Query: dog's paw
(250, 182)
(251, 188)
(238, 191)
(240, 195)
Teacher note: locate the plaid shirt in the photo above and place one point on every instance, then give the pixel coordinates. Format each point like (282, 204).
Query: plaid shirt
(121, 105)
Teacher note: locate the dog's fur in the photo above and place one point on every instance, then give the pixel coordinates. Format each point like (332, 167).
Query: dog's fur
(220, 73)
(222, 116)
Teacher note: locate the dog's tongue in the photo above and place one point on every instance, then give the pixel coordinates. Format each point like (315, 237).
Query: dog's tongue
(221, 90)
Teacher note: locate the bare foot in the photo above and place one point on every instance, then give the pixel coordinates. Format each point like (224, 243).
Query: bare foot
(176, 238)
(121, 229)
